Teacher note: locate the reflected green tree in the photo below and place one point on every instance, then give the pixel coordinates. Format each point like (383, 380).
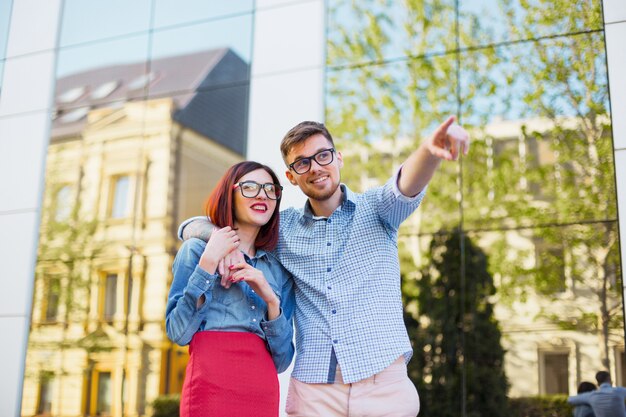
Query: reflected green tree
(455, 334)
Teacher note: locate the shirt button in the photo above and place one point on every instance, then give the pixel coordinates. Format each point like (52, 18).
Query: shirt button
(328, 244)
(254, 320)
(335, 341)
(327, 269)
(207, 281)
(329, 287)
(252, 307)
(330, 221)
(334, 311)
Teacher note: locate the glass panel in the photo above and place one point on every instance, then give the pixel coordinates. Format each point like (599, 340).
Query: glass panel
(5, 17)
(1, 75)
(105, 394)
(484, 22)
(556, 378)
(202, 56)
(376, 31)
(379, 114)
(175, 12)
(542, 150)
(219, 114)
(99, 74)
(555, 303)
(86, 21)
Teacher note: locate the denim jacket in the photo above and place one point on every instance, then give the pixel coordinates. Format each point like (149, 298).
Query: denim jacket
(236, 309)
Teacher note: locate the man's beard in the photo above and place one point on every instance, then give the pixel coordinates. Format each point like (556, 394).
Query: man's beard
(322, 195)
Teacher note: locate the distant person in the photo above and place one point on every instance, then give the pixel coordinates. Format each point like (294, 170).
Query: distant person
(240, 337)
(584, 410)
(606, 401)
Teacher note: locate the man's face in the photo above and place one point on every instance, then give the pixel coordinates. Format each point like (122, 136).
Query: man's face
(320, 182)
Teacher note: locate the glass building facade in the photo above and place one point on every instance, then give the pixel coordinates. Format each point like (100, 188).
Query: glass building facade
(117, 118)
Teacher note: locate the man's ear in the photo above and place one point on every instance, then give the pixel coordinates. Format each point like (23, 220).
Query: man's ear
(290, 177)
(339, 159)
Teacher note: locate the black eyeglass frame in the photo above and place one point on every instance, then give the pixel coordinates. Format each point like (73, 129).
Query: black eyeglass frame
(261, 186)
(313, 157)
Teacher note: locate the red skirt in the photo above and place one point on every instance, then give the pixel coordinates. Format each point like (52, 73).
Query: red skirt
(229, 374)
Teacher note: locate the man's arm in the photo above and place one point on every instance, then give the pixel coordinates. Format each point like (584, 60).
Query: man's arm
(447, 142)
(579, 399)
(199, 227)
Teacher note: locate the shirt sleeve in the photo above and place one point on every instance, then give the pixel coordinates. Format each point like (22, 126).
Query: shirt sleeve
(279, 332)
(394, 207)
(182, 317)
(579, 399)
(182, 226)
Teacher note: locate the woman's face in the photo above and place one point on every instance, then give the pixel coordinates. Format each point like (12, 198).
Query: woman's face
(255, 211)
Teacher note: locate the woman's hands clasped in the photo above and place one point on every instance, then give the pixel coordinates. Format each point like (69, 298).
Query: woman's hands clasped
(222, 242)
(242, 271)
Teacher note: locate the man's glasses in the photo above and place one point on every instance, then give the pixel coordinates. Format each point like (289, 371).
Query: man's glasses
(250, 189)
(303, 165)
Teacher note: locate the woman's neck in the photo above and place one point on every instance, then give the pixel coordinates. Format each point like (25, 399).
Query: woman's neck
(247, 236)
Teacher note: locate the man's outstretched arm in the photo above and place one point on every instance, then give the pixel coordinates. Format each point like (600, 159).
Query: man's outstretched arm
(447, 142)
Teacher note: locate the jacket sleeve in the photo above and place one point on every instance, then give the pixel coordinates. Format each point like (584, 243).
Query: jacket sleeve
(279, 332)
(182, 317)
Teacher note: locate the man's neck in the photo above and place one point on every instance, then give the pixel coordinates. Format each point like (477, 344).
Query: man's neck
(325, 208)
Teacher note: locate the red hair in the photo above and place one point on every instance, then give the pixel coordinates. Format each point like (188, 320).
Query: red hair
(220, 207)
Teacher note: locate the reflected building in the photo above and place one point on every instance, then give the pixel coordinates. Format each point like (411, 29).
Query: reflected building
(127, 161)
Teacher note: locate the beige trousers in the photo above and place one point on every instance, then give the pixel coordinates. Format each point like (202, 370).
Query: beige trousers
(390, 393)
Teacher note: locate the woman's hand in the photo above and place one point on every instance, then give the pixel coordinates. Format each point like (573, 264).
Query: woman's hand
(256, 280)
(222, 242)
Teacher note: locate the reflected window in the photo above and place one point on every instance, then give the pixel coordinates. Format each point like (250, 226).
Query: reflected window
(104, 394)
(51, 302)
(63, 203)
(555, 373)
(74, 115)
(109, 297)
(71, 95)
(44, 397)
(104, 90)
(120, 199)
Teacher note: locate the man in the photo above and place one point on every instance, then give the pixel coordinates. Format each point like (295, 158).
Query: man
(606, 401)
(351, 343)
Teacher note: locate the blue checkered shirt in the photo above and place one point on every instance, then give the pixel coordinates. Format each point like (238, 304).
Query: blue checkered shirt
(347, 275)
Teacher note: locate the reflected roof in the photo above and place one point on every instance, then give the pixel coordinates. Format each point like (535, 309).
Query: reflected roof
(209, 89)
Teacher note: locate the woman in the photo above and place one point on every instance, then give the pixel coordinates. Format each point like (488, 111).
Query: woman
(584, 410)
(239, 337)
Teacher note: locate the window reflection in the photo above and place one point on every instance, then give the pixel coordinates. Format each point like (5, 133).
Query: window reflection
(536, 194)
(373, 31)
(232, 32)
(87, 21)
(176, 12)
(484, 22)
(5, 15)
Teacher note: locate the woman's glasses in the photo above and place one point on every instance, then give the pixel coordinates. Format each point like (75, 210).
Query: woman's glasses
(250, 189)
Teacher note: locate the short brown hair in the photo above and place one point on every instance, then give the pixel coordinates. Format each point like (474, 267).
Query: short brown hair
(301, 132)
(220, 207)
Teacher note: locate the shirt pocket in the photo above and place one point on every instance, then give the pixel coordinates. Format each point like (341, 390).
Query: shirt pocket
(228, 296)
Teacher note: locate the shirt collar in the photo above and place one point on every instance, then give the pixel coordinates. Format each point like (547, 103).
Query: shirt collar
(348, 201)
(260, 253)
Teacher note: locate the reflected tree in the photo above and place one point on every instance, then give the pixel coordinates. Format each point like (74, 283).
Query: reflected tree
(459, 363)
